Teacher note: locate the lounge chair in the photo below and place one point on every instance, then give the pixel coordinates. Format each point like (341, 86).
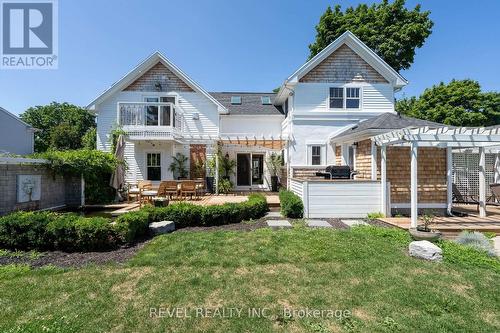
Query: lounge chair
(188, 187)
(458, 197)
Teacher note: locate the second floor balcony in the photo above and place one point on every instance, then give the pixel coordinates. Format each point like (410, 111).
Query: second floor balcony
(150, 120)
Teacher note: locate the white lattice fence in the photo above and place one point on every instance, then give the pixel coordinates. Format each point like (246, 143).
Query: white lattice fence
(466, 172)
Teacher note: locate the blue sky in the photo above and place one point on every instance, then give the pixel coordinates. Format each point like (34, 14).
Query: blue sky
(235, 45)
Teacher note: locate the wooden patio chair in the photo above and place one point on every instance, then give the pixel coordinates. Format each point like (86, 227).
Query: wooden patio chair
(458, 197)
(494, 199)
(200, 187)
(188, 187)
(171, 188)
(136, 190)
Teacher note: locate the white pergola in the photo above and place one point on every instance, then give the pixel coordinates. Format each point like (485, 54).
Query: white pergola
(482, 138)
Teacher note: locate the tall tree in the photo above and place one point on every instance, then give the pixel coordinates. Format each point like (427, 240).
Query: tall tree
(60, 125)
(458, 103)
(389, 29)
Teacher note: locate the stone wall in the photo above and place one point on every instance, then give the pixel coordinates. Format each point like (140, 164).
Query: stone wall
(56, 190)
(159, 73)
(343, 65)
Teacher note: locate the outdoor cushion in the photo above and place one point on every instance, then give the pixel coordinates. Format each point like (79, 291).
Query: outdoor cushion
(150, 192)
(134, 190)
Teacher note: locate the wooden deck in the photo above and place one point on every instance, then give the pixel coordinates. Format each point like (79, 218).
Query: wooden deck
(451, 226)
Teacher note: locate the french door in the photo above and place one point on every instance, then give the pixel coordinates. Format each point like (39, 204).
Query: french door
(249, 169)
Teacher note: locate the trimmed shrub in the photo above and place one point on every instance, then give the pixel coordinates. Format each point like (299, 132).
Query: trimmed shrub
(132, 226)
(25, 230)
(291, 204)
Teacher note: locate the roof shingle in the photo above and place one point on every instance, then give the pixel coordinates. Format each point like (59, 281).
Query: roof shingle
(251, 103)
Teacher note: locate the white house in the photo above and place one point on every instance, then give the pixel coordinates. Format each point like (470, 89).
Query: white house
(164, 112)
(16, 136)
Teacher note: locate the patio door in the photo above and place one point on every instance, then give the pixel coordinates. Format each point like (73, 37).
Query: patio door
(249, 169)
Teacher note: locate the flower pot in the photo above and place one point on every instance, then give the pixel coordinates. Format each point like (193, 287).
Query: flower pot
(424, 235)
(210, 184)
(274, 183)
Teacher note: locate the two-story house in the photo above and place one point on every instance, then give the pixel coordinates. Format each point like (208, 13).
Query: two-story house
(162, 112)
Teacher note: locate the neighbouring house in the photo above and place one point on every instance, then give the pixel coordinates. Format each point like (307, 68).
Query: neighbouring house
(16, 136)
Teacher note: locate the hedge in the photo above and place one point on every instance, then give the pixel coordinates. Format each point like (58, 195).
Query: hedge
(291, 204)
(70, 232)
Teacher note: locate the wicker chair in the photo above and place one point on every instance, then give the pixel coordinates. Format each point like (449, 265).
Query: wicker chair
(188, 187)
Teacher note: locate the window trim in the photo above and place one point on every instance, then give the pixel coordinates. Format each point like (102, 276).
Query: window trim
(236, 103)
(158, 97)
(344, 97)
(267, 98)
(146, 153)
(322, 156)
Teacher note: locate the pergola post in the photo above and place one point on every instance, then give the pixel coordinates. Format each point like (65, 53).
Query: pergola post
(414, 184)
(449, 179)
(217, 170)
(497, 168)
(482, 182)
(374, 160)
(383, 179)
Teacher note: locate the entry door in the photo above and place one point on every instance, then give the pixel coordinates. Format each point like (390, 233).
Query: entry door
(243, 170)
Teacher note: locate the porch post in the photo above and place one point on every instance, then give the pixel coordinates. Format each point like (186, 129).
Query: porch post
(482, 182)
(497, 167)
(449, 179)
(414, 185)
(383, 179)
(374, 160)
(217, 169)
(344, 154)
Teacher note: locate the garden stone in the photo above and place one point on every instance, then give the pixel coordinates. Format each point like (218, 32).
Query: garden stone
(318, 224)
(352, 223)
(162, 227)
(273, 214)
(278, 224)
(426, 250)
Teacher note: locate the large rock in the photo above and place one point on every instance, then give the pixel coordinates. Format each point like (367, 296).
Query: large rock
(426, 250)
(162, 227)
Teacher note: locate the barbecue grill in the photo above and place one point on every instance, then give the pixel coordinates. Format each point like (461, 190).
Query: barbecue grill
(337, 172)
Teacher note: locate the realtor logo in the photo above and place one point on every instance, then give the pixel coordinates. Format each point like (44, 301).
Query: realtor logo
(29, 34)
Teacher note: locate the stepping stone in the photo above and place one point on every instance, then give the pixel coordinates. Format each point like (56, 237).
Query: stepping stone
(352, 223)
(318, 224)
(279, 224)
(273, 214)
(162, 227)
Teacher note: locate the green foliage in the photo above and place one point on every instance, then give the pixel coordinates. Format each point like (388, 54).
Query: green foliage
(389, 29)
(189, 215)
(458, 103)
(467, 256)
(95, 166)
(178, 165)
(374, 215)
(132, 226)
(89, 140)
(51, 231)
(225, 186)
(227, 166)
(274, 163)
(114, 134)
(291, 204)
(476, 240)
(198, 169)
(395, 235)
(60, 125)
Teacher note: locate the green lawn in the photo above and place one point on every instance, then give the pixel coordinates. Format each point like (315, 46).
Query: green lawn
(366, 272)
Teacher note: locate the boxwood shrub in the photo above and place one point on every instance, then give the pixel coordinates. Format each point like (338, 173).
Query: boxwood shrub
(291, 204)
(70, 232)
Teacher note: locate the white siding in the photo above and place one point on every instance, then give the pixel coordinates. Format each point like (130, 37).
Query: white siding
(252, 124)
(337, 199)
(15, 137)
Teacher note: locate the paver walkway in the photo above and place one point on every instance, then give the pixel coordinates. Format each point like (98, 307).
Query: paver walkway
(273, 214)
(352, 223)
(275, 224)
(318, 224)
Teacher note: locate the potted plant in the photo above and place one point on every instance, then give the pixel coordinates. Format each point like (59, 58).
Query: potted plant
(423, 231)
(199, 169)
(210, 178)
(178, 166)
(274, 163)
(227, 166)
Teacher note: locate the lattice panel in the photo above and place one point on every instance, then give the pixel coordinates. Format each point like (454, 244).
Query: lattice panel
(466, 172)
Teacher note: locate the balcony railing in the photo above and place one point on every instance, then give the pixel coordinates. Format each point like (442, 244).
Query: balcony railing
(150, 120)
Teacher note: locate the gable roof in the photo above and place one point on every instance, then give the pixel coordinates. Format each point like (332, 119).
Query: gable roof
(360, 48)
(251, 103)
(383, 123)
(142, 68)
(19, 120)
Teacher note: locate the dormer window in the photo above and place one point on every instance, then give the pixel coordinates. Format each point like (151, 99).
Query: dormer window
(266, 100)
(235, 100)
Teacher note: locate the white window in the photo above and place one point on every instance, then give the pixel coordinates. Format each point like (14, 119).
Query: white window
(235, 99)
(160, 115)
(345, 98)
(153, 166)
(316, 155)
